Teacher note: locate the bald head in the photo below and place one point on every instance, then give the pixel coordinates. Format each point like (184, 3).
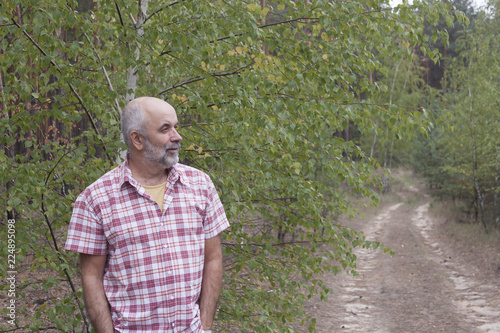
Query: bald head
(139, 113)
(150, 104)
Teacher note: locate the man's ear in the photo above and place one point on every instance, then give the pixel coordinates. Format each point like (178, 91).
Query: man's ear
(137, 140)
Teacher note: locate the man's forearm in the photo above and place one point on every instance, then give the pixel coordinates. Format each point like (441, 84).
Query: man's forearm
(212, 281)
(97, 305)
(210, 290)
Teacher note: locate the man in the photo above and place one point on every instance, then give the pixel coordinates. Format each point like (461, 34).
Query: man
(147, 233)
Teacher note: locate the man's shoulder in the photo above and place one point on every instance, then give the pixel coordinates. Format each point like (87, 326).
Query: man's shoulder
(106, 183)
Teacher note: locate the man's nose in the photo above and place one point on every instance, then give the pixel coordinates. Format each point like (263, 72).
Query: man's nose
(176, 137)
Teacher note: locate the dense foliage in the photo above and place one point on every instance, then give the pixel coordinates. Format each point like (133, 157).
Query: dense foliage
(462, 158)
(265, 94)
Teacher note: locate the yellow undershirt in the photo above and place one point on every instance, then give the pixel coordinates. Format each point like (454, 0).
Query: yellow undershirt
(157, 192)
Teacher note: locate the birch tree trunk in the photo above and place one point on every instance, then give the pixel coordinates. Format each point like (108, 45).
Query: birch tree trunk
(139, 31)
(133, 71)
(375, 134)
(495, 193)
(373, 144)
(480, 196)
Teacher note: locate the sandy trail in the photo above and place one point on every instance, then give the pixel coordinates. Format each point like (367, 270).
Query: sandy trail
(421, 289)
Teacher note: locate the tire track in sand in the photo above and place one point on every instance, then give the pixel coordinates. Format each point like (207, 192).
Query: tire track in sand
(353, 294)
(479, 303)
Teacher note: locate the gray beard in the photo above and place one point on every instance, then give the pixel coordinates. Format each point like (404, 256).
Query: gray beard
(160, 156)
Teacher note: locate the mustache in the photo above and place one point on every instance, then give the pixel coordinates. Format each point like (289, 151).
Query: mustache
(176, 145)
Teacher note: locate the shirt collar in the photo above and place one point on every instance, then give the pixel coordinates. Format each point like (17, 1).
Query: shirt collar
(174, 175)
(126, 173)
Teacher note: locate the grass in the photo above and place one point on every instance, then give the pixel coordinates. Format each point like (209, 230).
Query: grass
(461, 227)
(470, 239)
(473, 233)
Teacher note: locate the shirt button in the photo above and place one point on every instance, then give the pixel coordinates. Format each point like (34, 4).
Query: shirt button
(165, 246)
(171, 297)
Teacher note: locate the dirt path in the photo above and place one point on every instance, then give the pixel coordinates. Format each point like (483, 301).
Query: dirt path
(425, 287)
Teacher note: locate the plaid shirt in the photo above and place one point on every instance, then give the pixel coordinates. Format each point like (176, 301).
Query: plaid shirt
(153, 274)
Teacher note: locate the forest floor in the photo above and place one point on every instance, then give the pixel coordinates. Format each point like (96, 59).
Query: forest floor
(436, 282)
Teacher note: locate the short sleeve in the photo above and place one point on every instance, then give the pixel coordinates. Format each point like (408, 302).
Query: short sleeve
(215, 218)
(85, 233)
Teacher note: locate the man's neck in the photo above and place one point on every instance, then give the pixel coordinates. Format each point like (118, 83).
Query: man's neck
(147, 173)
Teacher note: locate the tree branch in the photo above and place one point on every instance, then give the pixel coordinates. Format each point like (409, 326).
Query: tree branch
(267, 25)
(159, 10)
(119, 14)
(110, 85)
(35, 44)
(307, 19)
(196, 79)
(94, 126)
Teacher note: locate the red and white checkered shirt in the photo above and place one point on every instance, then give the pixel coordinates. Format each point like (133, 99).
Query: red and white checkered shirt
(155, 260)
